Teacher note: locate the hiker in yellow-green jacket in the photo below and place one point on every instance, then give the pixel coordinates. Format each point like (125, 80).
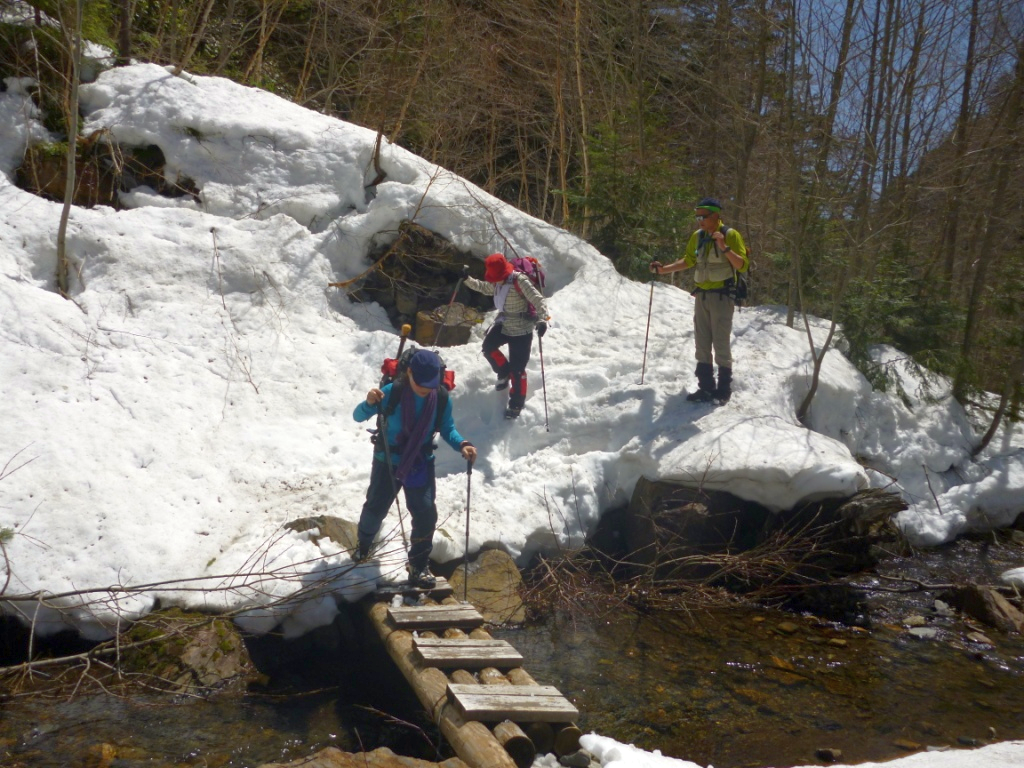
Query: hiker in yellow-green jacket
(715, 252)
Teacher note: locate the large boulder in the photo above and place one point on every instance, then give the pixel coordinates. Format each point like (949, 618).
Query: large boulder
(493, 589)
(189, 653)
(343, 533)
(988, 606)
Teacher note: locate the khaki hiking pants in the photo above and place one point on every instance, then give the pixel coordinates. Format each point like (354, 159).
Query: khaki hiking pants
(712, 327)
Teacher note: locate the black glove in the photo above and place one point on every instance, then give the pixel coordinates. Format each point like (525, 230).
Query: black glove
(542, 328)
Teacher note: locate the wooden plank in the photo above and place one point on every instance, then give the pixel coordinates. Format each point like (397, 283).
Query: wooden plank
(386, 589)
(518, 703)
(464, 653)
(471, 740)
(435, 616)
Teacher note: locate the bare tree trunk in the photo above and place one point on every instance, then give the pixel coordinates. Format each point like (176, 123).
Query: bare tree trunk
(410, 92)
(903, 165)
(836, 89)
(307, 60)
(267, 27)
(751, 127)
(581, 94)
(805, 405)
(195, 38)
(63, 270)
(124, 34)
(563, 148)
(172, 52)
(1013, 380)
(795, 162)
(948, 243)
(811, 198)
(229, 42)
(879, 72)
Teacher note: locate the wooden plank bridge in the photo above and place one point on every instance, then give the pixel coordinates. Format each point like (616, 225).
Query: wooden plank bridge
(491, 711)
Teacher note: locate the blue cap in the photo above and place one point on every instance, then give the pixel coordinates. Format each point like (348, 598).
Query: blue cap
(709, 203)
(426, 368)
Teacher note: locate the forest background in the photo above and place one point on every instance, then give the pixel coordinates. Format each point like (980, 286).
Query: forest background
(870, 151)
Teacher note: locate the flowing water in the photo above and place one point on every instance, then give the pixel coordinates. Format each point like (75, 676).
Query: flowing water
(752, 689)
(728, 688)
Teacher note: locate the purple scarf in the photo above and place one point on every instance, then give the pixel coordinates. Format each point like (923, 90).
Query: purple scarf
(412, 436)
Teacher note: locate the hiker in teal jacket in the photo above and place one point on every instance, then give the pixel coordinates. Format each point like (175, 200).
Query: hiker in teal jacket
(408, 461)
(714, 252)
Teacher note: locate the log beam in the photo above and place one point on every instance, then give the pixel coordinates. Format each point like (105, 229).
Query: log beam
(472, 741)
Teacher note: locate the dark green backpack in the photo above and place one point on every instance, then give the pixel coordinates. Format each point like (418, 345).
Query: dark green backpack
(736, 286)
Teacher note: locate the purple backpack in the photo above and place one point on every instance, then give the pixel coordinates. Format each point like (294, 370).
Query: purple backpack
(530, 267)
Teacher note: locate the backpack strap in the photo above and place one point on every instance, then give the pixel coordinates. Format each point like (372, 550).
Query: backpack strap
(442, 404)
(725, 233)
(515, 281)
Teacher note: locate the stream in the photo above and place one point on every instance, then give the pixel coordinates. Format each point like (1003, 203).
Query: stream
(730, 688)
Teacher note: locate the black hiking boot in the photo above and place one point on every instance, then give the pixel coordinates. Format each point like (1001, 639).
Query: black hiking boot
(705, 384)
(502, 383)
(724, 390)
(701, 396)
(422, 578)
(512, 412)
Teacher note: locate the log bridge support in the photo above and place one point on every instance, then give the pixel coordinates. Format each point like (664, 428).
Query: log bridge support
(490, 710)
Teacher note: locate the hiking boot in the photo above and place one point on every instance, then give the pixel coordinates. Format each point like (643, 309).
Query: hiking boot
(701, 396)
(724, 389)
(705, 376)
(422, 579)
(361, 555)
(502, 383)
(512, 412)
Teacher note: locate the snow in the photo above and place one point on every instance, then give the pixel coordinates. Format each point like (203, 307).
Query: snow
(194, 393)
(613, 754)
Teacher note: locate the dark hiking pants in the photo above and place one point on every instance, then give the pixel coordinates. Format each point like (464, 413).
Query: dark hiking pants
(419, 501)
(519, 348)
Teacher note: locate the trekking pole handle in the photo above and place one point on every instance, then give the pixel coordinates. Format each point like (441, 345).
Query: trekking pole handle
(406, 330)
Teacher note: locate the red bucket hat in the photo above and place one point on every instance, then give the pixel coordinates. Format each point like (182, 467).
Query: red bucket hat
(497, 268)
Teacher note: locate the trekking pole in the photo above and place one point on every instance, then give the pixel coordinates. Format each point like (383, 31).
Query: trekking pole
(444, 322)
(647, 333)
(543, 383)
(469, 488)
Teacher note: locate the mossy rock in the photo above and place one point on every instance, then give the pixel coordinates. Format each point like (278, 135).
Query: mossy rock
(189, 653)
